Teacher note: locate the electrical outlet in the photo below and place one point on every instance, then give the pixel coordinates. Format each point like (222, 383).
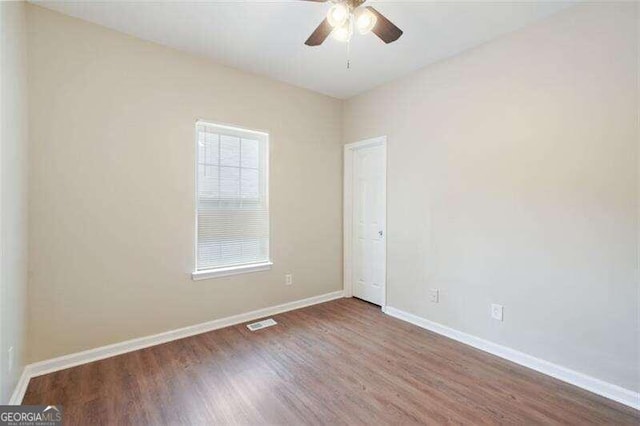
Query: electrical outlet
(288, 279)
(496, 311)
(10, 359)
(435, 295)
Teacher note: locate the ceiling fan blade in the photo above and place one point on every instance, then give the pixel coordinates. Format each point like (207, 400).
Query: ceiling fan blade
(384, 28)
(320, 34)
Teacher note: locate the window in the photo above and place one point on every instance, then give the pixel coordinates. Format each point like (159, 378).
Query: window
(232, 202)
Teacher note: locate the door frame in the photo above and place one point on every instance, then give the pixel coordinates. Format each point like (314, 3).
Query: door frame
(349, 150)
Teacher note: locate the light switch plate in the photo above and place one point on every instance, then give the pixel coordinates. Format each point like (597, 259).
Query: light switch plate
(10, 359)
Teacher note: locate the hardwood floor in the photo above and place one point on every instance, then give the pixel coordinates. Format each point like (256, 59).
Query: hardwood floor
(341, 362)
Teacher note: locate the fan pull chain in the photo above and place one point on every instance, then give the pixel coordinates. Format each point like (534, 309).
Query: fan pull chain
(348, 54)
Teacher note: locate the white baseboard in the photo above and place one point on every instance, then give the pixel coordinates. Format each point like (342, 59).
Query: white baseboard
(84, 357)
(597, 386)
(21, 388)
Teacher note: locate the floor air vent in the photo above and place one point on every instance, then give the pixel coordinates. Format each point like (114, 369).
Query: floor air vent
(261, 324)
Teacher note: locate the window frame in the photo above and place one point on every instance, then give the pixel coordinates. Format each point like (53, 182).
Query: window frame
(229, 270)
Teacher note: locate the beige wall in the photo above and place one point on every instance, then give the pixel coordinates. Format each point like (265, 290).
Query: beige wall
(13, 203)
(112, 191)
(512, 179)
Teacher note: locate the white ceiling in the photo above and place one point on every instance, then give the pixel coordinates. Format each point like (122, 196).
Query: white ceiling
(267, 37)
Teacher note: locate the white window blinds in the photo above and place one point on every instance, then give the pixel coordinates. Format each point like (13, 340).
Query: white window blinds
(232, 197)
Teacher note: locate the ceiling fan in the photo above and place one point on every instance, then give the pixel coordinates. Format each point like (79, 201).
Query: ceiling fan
(345, 15)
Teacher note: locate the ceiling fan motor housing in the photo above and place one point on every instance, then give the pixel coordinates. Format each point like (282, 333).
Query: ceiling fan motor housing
(353, 4)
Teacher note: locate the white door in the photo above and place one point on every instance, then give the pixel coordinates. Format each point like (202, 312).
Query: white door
(368, 223)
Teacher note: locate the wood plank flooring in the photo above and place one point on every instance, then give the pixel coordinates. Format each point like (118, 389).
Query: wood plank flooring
(341, 362)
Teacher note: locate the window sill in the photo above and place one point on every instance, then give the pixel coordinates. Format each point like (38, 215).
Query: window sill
(232, 270)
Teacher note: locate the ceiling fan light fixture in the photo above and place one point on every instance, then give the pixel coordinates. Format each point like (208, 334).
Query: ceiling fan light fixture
(345, 16)
(343, 33)
(338, 15)
(365, 20)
